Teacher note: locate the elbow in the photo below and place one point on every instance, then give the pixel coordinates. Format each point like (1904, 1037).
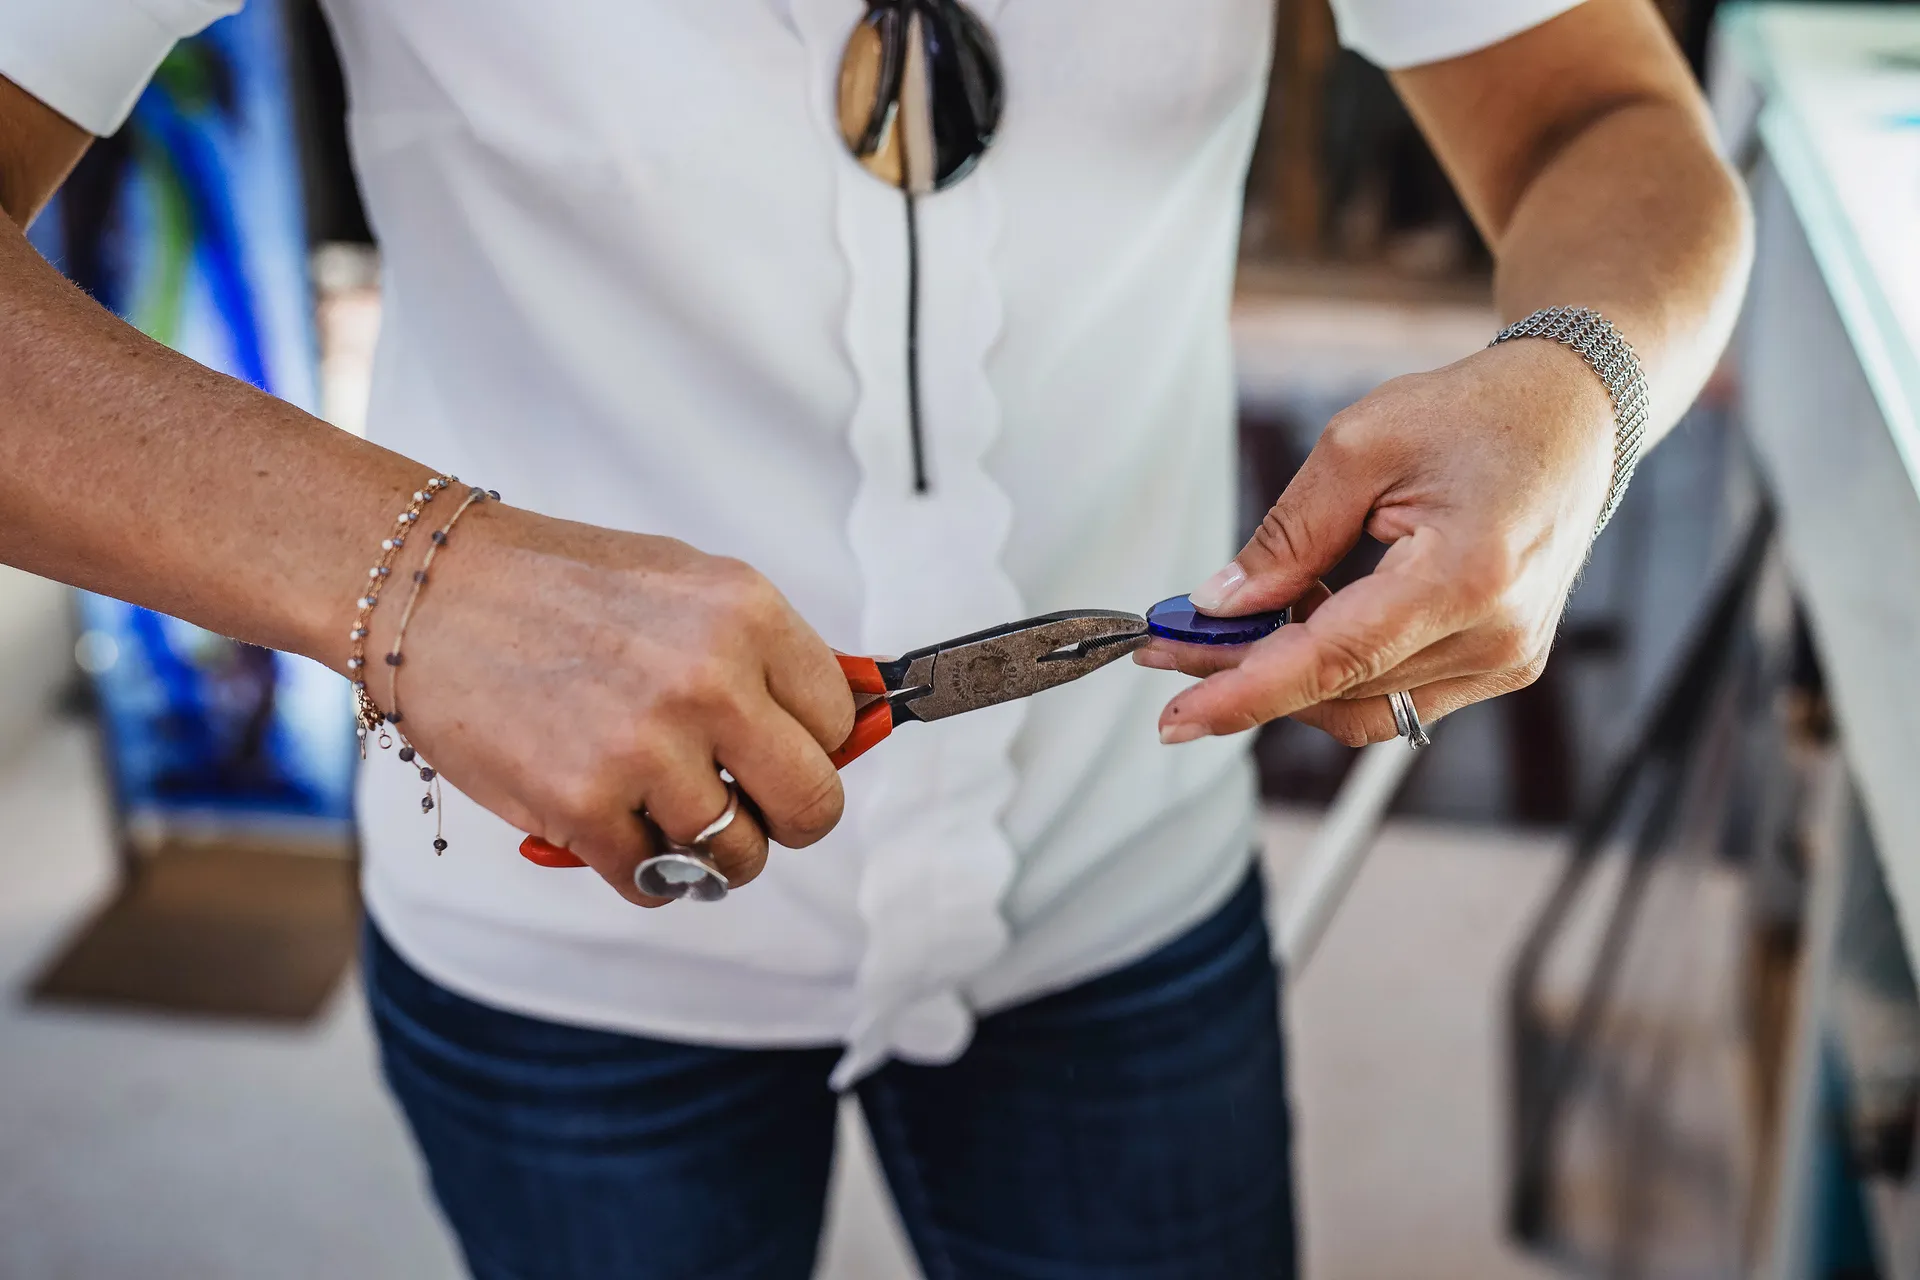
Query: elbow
(38, 148)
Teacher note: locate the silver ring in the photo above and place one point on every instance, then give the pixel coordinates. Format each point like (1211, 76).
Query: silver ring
(720, 823)
(1406, 720)
(685, 871)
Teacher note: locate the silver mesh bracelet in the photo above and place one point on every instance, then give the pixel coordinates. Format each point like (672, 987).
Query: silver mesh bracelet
(1611, 356)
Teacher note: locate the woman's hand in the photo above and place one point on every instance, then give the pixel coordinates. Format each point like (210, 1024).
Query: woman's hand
(1486, 477)
(1585, 154)
(567, 677)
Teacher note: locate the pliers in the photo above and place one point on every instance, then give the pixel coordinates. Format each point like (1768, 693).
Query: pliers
(989, 667)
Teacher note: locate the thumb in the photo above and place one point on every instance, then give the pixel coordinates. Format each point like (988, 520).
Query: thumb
(1308, 531)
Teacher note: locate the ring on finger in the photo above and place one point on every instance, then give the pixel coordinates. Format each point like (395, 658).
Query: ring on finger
(1406, 720)
(687, 871)
(720, 823)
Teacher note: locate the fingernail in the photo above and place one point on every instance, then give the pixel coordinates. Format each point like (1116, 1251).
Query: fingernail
(1153, 658)
(1220, 588)
(1172, 735)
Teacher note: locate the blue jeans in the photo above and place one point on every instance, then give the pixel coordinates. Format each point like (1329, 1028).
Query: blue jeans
(1132, 1128)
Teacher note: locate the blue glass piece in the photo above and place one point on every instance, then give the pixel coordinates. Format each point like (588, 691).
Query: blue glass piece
(1177, 619)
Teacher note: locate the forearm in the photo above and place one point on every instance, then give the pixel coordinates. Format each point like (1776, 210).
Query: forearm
(1485, 477)
(1637, 218)
(130, 470)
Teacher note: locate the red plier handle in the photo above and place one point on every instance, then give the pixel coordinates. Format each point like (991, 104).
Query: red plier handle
(871, 723)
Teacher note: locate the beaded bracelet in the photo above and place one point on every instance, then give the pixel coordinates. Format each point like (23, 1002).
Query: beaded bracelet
(429, 803)
(365, 711)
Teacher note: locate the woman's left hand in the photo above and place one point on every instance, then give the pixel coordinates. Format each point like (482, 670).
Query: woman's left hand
(1486, 477)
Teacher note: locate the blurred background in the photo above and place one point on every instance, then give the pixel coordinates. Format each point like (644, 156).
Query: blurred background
(1614, 981)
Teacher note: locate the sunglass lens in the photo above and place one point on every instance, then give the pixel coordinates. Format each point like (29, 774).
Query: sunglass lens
(870, 90)
(965, 89)
(921, 92)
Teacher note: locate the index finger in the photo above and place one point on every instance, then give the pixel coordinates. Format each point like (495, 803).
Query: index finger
(1363, 631)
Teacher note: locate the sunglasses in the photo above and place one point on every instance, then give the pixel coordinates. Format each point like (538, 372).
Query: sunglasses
(921, 93)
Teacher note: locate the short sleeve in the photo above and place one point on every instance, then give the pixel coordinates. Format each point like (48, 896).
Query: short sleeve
(1406, 33)
(89, 59)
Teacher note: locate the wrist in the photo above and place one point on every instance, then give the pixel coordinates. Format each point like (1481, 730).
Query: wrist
(1614, 364)
(1565, 409)
(355, 634)
(382, 623)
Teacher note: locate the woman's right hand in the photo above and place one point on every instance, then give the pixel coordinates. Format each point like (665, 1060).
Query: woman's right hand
(568, 677)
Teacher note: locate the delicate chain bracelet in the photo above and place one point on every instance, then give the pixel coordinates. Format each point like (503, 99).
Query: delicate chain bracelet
(366, 712)
(371, 719)
(1611, 356)
(429, 803)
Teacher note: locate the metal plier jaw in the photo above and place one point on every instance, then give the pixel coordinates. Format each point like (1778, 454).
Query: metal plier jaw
(998, 665)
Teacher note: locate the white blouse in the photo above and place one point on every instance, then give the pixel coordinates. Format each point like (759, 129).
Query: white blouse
(632, 277)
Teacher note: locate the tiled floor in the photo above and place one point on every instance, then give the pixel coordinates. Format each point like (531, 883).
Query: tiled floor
(1396, 1079)
(141, 1149)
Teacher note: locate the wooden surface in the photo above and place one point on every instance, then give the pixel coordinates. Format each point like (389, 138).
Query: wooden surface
(226, 932)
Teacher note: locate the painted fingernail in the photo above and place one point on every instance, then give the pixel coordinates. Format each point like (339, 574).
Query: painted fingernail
(1153, 658)
(1216, 591)
(1172, 735)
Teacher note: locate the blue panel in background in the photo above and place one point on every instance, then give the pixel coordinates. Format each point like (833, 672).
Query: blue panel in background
(187, 222)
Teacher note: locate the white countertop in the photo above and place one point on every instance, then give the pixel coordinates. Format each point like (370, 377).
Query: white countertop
(1830, 364)
(1837, 89)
